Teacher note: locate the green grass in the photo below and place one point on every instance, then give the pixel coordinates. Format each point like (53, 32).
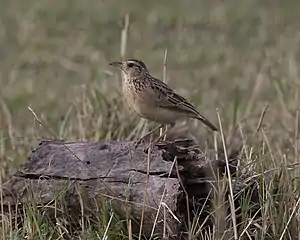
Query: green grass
(237, 56)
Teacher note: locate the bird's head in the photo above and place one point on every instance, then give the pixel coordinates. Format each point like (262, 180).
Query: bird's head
(131, 67)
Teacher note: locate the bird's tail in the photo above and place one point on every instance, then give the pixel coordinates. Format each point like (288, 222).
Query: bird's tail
(207, 123)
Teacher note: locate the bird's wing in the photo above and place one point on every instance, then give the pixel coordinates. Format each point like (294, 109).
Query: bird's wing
(167, 98)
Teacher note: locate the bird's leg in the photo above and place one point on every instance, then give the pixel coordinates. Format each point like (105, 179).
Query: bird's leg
(146, 135)
(163, 134)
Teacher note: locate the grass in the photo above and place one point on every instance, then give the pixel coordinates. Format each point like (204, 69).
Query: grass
(237, 56)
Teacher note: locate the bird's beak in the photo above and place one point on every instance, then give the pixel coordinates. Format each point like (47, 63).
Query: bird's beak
(116, 64)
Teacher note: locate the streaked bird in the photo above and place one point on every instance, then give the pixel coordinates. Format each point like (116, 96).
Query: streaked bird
(153, 99)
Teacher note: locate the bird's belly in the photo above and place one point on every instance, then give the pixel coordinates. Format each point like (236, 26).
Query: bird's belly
(163, 115)
(157, 114)
(144, 105)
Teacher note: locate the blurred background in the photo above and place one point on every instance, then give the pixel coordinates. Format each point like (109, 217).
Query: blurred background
(238, 56)
(241, 57)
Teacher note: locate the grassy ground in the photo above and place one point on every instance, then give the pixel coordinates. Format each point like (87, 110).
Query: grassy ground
(238, 56)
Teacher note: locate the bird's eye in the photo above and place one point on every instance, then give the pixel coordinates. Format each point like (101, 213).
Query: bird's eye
(130, 65)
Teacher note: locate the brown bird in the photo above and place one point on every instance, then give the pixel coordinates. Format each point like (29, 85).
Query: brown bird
(153, 99)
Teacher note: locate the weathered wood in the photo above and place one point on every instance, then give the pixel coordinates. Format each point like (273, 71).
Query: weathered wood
(113, 170)
(83, 173)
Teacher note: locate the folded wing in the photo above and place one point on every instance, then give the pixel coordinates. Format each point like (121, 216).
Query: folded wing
(167, 98)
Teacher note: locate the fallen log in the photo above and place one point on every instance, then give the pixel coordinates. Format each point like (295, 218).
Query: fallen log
(147, 188)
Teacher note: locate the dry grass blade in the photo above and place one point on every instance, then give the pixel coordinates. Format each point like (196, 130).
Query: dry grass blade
(107, 227)
(164, 80)
(145, 195)
(161, 200)
(261, 118)
(296, 135)
(10, 127)
(289, 220)
(129, 230)
(231, 196)
(124, 36)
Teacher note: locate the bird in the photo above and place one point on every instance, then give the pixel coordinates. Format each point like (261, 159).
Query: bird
(153, 99)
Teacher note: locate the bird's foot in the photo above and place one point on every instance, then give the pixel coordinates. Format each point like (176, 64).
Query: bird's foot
(152, 144)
